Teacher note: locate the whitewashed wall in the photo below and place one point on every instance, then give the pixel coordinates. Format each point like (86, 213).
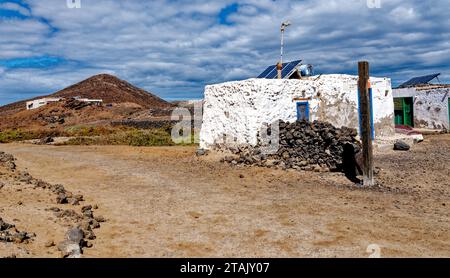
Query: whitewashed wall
(430, 106)
(239, 109)
(431, 109)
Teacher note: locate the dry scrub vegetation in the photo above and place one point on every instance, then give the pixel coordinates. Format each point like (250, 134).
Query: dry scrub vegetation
(96, 135)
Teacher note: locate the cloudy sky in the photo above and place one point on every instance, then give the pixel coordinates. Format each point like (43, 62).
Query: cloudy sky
(174, 48)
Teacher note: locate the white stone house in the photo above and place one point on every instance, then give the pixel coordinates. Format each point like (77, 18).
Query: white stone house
(240, 109)
(97, 102)
(34, 104)
(422, 105)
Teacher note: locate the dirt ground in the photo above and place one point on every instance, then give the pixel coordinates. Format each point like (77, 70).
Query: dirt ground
(166, 202)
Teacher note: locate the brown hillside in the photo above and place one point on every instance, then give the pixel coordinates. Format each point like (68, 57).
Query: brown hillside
(126, 102)
(55, 115)
(113, 90)
(110, 89)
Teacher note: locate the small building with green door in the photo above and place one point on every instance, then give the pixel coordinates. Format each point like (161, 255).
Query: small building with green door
(420, 104)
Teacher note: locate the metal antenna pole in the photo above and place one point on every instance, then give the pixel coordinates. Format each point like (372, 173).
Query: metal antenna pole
(283, 28)
(282, 45)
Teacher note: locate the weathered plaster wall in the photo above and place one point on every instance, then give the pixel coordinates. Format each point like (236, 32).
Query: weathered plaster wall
(431, 109)
(239, 109)
(430, 106)
(404, 92)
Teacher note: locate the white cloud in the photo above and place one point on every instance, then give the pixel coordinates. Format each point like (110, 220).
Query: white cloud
(403, 14)
(18, 38)
(174, 48)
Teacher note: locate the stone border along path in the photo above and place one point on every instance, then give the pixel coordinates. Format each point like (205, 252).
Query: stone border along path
(77, 237)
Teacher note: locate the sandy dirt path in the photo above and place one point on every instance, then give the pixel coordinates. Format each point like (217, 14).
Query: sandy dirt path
(165, 202)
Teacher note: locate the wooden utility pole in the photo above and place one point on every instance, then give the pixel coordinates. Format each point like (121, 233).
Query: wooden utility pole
(366, 128)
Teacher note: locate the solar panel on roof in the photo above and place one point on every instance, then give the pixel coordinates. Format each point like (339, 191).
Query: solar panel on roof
(285, 73)
(266, 72)
(419, 80)
(272, 73)
(286, 69)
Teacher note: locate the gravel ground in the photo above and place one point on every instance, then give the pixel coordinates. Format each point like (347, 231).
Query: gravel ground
(166, 202)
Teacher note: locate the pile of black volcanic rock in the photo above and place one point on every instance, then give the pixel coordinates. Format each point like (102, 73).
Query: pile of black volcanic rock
(311, 146)
(76, 104)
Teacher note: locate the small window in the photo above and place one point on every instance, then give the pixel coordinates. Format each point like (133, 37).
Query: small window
(303, 111)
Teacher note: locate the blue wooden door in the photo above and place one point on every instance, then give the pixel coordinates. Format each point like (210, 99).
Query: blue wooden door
(303, 111)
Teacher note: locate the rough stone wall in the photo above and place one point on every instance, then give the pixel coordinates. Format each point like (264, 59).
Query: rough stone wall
(240, 109)
(431, 109)
(430, 106)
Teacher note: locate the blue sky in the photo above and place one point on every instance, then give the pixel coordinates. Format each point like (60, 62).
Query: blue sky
(174, 48)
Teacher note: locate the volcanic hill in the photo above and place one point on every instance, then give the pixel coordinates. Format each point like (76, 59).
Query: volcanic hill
(121, 100)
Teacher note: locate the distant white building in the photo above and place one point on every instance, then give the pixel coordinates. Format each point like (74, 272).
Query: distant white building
(34, 104)
(93, 101)
(420, 104)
